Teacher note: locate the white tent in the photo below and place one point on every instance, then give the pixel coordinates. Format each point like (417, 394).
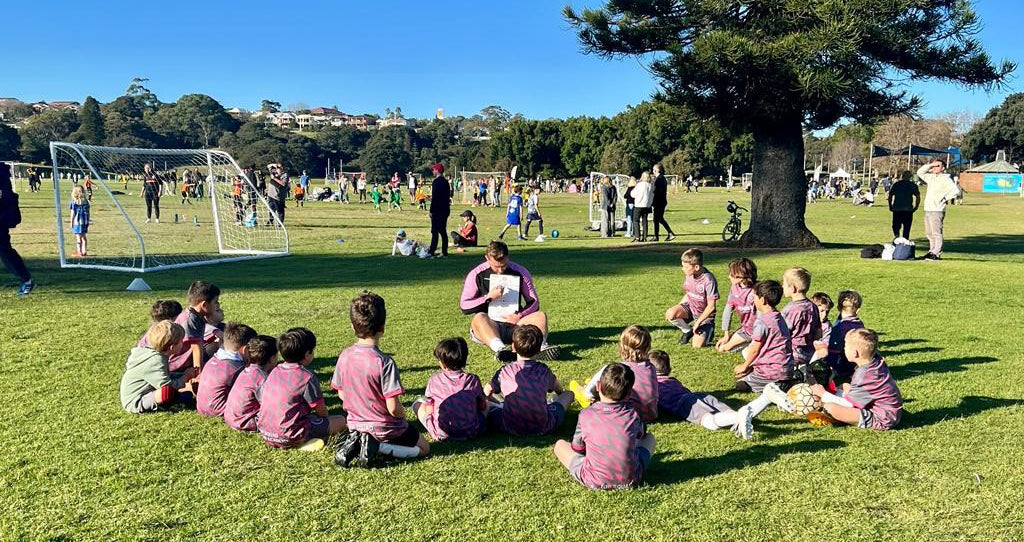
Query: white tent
(839, 174)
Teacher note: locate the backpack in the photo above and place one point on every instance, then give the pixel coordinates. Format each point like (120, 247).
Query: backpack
(10, 213)
(872, 251)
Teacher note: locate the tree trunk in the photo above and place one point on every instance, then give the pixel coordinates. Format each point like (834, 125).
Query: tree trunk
(779, 191)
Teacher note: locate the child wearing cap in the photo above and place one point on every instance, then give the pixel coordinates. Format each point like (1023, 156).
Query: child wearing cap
(467, 235)
(407, 247)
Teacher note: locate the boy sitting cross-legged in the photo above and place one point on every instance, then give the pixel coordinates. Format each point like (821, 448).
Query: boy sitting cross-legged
(611, 447)
(524, 385)
(824, 304)
(220, 371)
(370, 388)
(801, 316)
(292, 410)
(454, 406)
(871, 399)
(634, 350)
(147, 385)
(769, 358)
(162, 309)
(242, 405)
(849, 302)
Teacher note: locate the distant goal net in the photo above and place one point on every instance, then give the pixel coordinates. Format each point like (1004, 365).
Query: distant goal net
(596, 178)
(473, 181)
(152, 209)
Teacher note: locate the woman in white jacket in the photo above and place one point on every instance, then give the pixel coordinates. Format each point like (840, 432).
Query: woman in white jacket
(643, 200)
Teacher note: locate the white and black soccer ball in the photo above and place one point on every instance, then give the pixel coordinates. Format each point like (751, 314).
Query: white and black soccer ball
(804, 402)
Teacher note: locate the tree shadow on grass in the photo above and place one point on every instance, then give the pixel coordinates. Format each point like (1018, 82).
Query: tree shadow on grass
(988, 244)
(969, 406)
(913, 350)
(671, 472)
(573, 340)
(899, 342)
(948, 365)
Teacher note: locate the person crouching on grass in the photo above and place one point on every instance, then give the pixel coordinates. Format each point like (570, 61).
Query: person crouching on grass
(147, 384)
(872, 399)
(694, 315)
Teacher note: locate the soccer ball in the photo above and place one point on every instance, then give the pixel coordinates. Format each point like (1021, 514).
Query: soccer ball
(539, 239)
(804, 402)
(554, 233)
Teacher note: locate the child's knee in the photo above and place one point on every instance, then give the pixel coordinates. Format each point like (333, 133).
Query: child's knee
(423, 445)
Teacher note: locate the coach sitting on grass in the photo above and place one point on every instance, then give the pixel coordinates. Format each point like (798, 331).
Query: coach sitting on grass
(478, 293)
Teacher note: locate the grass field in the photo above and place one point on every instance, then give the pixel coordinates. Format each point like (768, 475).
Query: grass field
(76, 467)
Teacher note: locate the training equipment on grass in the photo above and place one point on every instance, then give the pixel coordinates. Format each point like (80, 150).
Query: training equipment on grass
(804, 402)
(230, 221)
(138, 285)
(597, 178)
(539, 239)
(554, 234)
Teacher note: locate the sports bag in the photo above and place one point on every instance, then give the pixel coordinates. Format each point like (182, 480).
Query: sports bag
(871, 251)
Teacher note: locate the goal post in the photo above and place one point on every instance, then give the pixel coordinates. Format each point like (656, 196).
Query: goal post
(209, 210)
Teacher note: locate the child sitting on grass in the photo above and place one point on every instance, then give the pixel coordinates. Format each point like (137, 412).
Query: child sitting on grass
(370, 388)
(292, 410)
(634, 349)
(742, 275)
(407, 247)
(824, 304)
(524, 409)
(200, 321)
(871, 399)
(769, 358)
(147, 385)
(243, 405)
(849, 302)
(162, 309)
(695, 314)
(611, 447)
(454, 406)
(801, 316)
(220, 371)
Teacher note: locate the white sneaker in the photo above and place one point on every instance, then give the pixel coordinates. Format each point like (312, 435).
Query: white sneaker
(158, 221)
(744, 423)
(147, 221)
(779, 397)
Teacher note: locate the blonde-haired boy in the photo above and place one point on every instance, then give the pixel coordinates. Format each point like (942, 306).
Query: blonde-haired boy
(871, 399)
(146, 384)
(801, 315)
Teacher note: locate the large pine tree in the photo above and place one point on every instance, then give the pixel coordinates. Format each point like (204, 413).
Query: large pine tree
(774, 67)
(90, 123)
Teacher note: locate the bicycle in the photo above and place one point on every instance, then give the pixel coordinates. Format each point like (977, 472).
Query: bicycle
(733, 227)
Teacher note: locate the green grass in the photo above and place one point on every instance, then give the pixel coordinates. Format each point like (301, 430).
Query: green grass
(76, 467)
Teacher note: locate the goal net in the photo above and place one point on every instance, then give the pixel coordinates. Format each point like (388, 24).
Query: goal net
(471, 181)
(596, 181)
(209, 211)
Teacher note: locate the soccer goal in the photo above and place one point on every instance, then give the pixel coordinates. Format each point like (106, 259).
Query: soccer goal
(471, 183)
(594, 200)
(209, 212)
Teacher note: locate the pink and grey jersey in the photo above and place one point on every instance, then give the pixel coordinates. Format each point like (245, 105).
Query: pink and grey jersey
(644, 396)
(671, 395)
(842, 368)
(741, 300)
(608, 436)
(874, 389)
(243, 404)
(525, 386)
(826, 331)
(287, 399)
(701, 291)
(457, 398)
(368, 378)
(804, 327)
(197, 331)
(478, 284)
(216, 380)
(775, 359)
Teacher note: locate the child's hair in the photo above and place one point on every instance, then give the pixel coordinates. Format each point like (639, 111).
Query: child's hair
(662, 363)
(452, 352)
(864, 338)
(617, 381)
(849, 299)
(261, 349)
(164, 334)
(200, 291)
(368, 314)
(743, 269)
(693, 256)
(237, 335)
(295, 343)
(497, 250)
(527, 340)
(165, 309)
(77, 193)
(518, 189)
(822, 299)
(635, 343)
(770, 291)
(799, 278)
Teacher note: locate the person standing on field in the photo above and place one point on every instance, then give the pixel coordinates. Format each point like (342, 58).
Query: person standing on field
(904, 198)
(10, 216)
(941, 190)
(660, 203)
(440, 209)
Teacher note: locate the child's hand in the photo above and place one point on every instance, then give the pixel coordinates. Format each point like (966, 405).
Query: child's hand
(191, 373)
(818, 390)
(741, 370)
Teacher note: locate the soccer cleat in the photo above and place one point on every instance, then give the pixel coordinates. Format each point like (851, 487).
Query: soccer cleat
(549, 352)
(744, 422)
(670, 237)
(779, 397)
(312, 445)
(505, 355)
(27, 287)
(685, 337)
(581, 396)
(347, 450)
(368, 449)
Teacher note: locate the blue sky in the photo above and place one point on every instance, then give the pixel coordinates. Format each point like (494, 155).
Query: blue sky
(360, 56)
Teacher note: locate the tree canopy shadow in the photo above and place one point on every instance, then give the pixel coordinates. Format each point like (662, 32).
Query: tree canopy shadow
(899, 342)
(948, 365)
(573, 340)
(998, 243)
(671, 472)
(968, 406)
(913, 350)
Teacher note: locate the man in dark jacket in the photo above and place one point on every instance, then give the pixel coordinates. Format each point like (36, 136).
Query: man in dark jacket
(660, 203)
(609, 197)
(440, 208)
(10, 216)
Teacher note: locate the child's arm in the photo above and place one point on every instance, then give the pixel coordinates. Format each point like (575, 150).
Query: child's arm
(394, 247)
(708, 311)
(395, 407)
(321, 410)
(752, 352)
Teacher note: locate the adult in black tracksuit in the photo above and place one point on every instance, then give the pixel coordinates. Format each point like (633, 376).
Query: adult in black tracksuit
(151, 188)
(440, 208)
(10, 216)
(660, 203)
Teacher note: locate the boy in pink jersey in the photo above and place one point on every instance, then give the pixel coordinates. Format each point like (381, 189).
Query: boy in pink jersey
(220, 371)
(524, 384)
(769, 358)
(200, 343)
(742, 275)
(801, 316)
(872, 399)
(634, 350)
(242, 405)
(454, 406)
(824, 304)
(849, 302)
(611, 447)
(370, 388)
(292, 410)
(162, 309)
(695, 314)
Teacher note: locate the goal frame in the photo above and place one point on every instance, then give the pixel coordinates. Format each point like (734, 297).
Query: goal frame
(234, 254)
